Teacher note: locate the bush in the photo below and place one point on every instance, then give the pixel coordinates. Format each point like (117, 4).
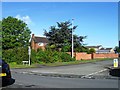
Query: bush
(92, 50)
(49, 56)
(15, 55)
(33, 56)
(66, 57)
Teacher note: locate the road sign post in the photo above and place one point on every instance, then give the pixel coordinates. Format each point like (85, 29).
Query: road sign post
(29, 53)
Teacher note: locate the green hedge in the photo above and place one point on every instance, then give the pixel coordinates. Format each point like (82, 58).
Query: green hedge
(15, 55)
(49, 56)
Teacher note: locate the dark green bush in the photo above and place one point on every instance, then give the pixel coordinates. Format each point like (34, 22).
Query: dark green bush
(66, 57)
(15, 55)
(49, 56)
(18, 55)
(33, 56)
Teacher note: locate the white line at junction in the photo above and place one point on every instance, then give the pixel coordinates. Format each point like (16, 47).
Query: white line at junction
(88, 76)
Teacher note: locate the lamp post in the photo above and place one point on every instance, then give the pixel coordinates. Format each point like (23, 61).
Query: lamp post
(72, 40)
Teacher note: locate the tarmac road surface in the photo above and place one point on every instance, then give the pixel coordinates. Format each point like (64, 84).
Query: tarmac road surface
(90, 75)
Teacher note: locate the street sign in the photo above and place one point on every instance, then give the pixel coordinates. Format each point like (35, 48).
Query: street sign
(29, 50)
(115, 63)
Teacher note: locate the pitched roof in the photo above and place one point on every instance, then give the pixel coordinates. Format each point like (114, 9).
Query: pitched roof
(40, 39)
(102, 51)
(93, 46)
(105, 48)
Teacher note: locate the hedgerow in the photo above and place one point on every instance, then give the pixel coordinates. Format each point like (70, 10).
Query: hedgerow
(47, 56)
(15, 55)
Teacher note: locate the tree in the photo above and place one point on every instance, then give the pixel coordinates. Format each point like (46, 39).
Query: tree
(91, 51)
(61, 36)
(15, 33)
(117, 49)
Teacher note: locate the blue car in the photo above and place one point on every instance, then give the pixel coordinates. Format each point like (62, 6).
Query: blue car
(5, 74)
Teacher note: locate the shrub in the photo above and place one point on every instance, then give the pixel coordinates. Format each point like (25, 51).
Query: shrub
(66, 57)
(92, 50)
(33, 56)
(49, 56)
(15, 55)
(44, 56)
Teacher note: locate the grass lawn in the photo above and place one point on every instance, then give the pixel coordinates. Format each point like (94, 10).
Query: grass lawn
(14, 65)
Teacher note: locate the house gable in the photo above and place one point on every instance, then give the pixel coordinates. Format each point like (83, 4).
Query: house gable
(38, 42)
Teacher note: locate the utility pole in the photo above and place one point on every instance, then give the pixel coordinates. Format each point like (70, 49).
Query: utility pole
(72, 41)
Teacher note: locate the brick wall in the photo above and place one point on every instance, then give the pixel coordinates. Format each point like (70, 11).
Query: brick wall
(86, 56)
(106, 55)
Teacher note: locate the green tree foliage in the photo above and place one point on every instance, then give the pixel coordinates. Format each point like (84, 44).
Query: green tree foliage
(15, 33)
(81, 49)
(92, 50)
(61, 36)
(117, 49)
(18, 55)
(15, 55)
(50, 56)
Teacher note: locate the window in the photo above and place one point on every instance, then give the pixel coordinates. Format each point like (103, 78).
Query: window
(40, 44)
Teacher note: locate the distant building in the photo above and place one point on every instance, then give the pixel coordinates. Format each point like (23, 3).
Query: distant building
(100, 49)
(105, 50)
(95, 47)
(38, 42)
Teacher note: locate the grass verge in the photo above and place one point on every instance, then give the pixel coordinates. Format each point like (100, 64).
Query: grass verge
(76, 62)
(14, 65)
(21, 66)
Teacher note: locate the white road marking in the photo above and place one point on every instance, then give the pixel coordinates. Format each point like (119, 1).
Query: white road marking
(88, 76)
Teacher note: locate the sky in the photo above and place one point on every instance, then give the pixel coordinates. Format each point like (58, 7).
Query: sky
(96, 20)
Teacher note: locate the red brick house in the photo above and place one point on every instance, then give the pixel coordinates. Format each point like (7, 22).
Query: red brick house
(38, 42)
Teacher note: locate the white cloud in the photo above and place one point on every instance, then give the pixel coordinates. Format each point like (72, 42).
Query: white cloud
(18, 17)
(26, 19)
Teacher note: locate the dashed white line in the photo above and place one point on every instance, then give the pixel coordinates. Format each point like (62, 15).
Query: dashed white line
(89, 75)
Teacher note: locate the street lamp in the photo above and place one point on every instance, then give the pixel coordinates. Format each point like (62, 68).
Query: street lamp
(72, 40)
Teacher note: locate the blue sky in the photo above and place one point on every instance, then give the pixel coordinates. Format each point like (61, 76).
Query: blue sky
(96, 20)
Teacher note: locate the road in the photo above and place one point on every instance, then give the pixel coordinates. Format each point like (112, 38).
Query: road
(90, 75)
(26, 81)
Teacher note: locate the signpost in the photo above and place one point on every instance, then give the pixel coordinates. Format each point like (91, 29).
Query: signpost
(29, 53)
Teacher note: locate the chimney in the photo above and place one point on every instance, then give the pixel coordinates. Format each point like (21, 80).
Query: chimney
(32, 35)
